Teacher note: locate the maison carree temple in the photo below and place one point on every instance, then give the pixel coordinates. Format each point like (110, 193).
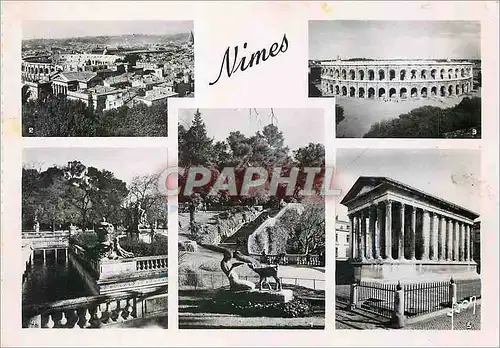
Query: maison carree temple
(396, 79)
(399, 232)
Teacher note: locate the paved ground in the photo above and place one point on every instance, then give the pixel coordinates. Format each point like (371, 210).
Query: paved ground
(465, 320)
(360, 114)
(345, 319)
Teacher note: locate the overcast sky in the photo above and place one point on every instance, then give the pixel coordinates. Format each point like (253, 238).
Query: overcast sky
(394, 39)
(65, 29)
(299, 126)
(125, 163)
(453, 175)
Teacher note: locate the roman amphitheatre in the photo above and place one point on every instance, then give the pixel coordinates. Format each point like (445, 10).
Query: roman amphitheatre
(372, 91)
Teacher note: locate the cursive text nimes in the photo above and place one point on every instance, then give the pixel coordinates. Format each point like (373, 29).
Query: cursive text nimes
(231, 64)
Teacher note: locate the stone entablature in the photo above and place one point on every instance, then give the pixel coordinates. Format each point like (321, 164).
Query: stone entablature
(395, 223)
(394, 80)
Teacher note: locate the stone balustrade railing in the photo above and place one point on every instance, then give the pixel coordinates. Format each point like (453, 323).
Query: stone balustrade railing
(86, 312)
(150, 263)
(291, 259)
(56, 234)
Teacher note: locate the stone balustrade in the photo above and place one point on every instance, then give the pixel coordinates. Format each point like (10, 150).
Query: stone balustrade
(92, 311)
(55, 234)
(149, 263)
(291, 259)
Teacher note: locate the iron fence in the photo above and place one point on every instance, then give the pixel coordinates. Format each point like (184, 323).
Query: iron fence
(467, 288)
(377, 298)
(419, 298)
(422, 298)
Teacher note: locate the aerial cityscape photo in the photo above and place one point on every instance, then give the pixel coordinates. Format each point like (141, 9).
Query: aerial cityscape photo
(103, 78)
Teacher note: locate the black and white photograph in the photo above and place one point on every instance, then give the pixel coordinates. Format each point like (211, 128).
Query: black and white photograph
(103, 78)
(408, 233)
(251, 221)
(399, 79)
(94, 238)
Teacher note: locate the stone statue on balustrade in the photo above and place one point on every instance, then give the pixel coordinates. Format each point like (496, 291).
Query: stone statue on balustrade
(36, 225)
(109, 245)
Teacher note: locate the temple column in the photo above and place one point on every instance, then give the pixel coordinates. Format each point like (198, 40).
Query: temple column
(351, 241)
(373, 227)
(449, 239)
(426, 229)
(362, 233)
(442, 237)
(455, 241)
(401, 246)
(368, 245)
(462, 241)
(472, 236)
(378, 229)
(434, 237)
(413, 228)
(358, 235)
(44, 255)
(388, 229)
(468, 242)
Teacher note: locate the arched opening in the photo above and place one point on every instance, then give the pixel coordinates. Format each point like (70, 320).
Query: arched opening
(343, 74)
(442, 74)
(433, 91)
(337, 73)
(344, 90)
(361, 75)
(381, 74)
(371, 75)
(414, 74)
(337, 90)
(450, 90)
(423, 74)
(352, 74)
(413, 92)
(392, 74)
(371, 93)
(402, 75)
(46, 70)
(423, 92)
(433, 74)
(457, 90)
(331, 88)
(450, 72)
(392, 92)
(463, 89)
(381, 92)
(442, 91)
(36, 71)
(462, 73)
(352, 92)
(361, 92)
(456, 73)
(403, 93)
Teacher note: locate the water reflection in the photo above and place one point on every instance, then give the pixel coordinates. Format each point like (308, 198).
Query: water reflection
(52, 281)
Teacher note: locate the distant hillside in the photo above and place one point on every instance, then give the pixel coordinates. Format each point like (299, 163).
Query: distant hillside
(114, 40)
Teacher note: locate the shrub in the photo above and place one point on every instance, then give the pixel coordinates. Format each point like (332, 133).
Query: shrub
(295, 308)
